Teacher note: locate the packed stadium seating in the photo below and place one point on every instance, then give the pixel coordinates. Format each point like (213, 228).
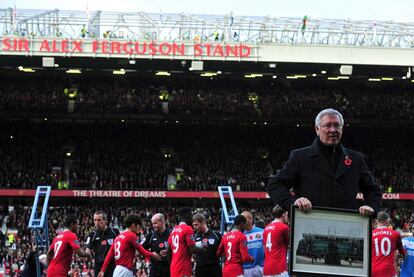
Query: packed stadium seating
(133, 156)
(356, 100)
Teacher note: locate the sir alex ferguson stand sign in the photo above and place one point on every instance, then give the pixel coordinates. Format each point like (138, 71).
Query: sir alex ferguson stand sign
(126, 48)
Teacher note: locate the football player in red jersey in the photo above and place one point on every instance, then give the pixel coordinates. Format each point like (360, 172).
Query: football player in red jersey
(124, 247)
(181, 245)
(234, 246)
(59, 256)
(276, 243)
(384, 244)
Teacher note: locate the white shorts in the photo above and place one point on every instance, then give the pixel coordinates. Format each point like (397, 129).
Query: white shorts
(256, 271)
(283, 274)
(121, 271)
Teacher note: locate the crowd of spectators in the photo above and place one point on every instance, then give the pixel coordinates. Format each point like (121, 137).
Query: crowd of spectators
(198, 157)
(15, 218)
(356, 100)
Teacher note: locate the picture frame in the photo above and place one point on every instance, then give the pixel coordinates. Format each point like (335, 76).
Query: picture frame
(330, 241)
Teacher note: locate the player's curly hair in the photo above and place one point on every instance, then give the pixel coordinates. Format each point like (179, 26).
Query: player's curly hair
(70, 219)
(131, 219)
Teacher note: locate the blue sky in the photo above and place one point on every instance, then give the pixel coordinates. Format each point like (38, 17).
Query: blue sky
(398, 10)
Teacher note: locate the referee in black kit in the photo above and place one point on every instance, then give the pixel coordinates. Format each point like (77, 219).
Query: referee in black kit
(207, 263)
(99, 241)
(157, 241)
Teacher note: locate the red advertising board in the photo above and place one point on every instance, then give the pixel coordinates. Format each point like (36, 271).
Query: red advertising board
(163, 194)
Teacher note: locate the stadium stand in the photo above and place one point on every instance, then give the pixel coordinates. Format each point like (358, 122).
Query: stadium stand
(131, 156)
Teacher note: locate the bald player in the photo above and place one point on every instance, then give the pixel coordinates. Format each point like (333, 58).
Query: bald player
(255, 247)
(157, 241)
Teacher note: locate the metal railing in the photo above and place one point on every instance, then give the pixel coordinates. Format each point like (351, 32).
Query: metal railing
(188, 27)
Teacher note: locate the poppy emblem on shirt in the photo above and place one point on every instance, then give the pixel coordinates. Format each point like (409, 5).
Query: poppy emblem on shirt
(347, 161)
(250, 237)
(161, 245)
(205, 240)
(103, 242)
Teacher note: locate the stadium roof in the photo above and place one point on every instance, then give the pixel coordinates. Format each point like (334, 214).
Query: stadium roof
(250, 29)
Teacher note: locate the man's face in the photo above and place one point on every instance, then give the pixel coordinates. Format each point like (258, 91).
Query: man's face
(330, 129)
(198, 226)
(157, 224)
(100, 223)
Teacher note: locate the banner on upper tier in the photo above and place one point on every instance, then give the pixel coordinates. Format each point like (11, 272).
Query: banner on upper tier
(165, 194)
(124, 48)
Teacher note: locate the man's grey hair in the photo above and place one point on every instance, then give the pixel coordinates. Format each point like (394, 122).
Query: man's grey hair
(158, 216)
(328, 111)
(199, 217)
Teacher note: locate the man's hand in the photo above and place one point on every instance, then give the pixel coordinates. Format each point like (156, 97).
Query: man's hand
(156, 256)
(366, 210)
(163, 253)
(303, 204)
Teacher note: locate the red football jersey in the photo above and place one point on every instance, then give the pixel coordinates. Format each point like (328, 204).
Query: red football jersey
(234, 246)
(384, 244)
(63, 246)
(181, 237)
(123, 250)
(276, 243)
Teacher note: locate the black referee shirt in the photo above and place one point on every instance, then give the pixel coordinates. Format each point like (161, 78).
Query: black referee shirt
(155, 242)
(212, 239)
(100, 242)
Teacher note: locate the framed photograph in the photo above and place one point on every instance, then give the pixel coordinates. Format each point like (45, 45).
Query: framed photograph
(328, 241)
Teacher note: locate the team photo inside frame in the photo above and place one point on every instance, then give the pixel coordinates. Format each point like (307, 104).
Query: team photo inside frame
(330, 241)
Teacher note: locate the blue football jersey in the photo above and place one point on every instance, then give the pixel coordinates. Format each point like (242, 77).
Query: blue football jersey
(255, 246)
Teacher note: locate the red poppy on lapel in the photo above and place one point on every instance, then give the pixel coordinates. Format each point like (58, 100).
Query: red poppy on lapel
(347, 161)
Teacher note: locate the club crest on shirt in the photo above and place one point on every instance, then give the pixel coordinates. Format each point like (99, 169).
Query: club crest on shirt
(211, 241)
(258, 236)
(110, 241)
